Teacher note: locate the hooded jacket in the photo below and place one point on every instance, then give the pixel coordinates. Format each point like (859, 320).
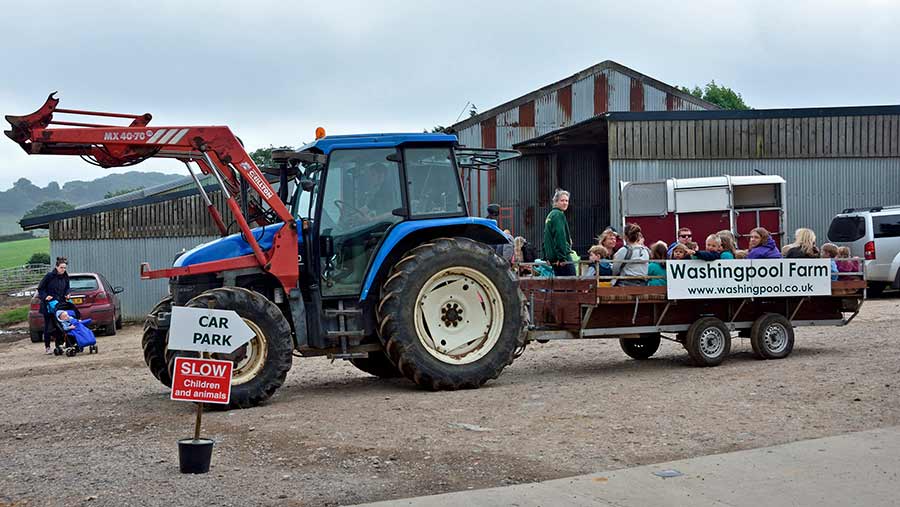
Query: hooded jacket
(767, 251)
(55, 285)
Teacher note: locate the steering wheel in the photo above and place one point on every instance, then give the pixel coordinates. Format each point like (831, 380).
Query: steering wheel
(349, 211)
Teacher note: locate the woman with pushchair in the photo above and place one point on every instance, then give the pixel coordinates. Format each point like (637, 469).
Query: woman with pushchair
(53, 287)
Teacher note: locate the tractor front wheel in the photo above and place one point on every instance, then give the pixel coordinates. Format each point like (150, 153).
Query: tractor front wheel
(260, 365)
(451, 314)
(154, 343)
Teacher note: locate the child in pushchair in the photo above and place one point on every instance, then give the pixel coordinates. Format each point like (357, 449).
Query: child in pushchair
(76, 334)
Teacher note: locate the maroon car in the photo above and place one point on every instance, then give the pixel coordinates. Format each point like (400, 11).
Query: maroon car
(95, 299)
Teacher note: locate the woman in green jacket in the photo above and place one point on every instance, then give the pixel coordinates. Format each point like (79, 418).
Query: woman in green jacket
(557, 240)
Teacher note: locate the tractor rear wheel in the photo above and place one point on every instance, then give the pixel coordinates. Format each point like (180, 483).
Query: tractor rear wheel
(451, 314)
(377, 364)
(154, 343)
(260, 365)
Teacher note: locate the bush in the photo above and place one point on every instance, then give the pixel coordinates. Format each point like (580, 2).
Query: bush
(39, 258)
(14, 316)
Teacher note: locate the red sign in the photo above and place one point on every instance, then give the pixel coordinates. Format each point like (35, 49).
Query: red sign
(203, 380)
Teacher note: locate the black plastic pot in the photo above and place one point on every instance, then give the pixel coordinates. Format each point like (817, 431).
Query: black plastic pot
(194, 455)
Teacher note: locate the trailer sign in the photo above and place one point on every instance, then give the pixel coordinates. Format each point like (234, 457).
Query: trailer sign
(748, 278)
(202, 380)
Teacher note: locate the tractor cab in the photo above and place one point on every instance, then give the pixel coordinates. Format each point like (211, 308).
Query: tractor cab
(355, 188)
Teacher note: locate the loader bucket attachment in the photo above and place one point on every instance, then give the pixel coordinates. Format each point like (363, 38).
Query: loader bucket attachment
(23, 125)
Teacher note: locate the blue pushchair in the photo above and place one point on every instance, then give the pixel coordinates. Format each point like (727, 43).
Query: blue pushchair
(77, 335)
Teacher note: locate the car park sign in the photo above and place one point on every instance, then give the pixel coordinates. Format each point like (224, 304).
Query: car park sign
(207, 330)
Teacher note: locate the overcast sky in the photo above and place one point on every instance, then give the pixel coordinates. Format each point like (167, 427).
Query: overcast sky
(274, 71)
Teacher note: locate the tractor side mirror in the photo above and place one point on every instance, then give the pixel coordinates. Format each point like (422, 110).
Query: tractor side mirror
(307, 185)
(326, 246)
(118, 290)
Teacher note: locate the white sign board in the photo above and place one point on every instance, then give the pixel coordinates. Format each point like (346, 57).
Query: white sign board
(207, 330)
(748, 278)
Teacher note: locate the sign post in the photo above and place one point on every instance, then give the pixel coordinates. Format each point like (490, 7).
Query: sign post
(203, 380)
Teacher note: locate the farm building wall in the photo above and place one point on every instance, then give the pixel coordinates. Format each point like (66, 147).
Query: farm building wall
(180, 217)
(119, 260)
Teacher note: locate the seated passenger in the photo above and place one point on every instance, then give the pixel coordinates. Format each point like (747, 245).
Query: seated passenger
(680, 252)
(846, 265)
(762, 246)
(803, 247)
(610, 240)
(830, 251)
(713, 250)
(658, 252)
(598, 255)
(634, 250)
(728, 244)
(684, 237)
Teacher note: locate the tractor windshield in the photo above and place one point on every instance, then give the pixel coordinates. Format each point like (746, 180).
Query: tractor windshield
(433, 183)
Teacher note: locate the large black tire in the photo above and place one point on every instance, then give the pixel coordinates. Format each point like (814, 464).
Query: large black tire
(110, 330)
(37, 336)
(478, 360)
(377, 364)
(708, 341)
(772, 336)
(154, 343)
(257, 311)
(640, 348)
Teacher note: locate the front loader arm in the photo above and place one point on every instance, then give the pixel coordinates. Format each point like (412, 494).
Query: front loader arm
(215, 149)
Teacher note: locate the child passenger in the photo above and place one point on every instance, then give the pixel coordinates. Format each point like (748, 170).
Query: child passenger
(830, 251)
(658, 252)
(845, 265)
(634, 250)
(680, 252)
(728, 244)
(598, 255)
(713, 250)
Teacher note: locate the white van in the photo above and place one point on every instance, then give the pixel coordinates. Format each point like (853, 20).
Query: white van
(872, 234)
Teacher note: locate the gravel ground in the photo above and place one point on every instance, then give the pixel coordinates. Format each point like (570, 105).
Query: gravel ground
(99, 430)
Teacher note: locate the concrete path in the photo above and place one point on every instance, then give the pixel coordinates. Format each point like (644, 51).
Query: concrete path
(855, 469)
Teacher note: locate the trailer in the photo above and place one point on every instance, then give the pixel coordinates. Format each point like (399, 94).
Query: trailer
(706, 206)
(641, 316)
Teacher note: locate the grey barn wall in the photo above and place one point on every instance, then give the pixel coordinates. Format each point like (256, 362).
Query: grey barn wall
(119, 260)
(816, 189)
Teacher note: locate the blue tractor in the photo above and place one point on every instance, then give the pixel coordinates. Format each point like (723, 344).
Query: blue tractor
(395, 276)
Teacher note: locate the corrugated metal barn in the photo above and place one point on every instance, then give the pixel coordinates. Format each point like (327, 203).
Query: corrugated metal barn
(114, 237)
(832, 158)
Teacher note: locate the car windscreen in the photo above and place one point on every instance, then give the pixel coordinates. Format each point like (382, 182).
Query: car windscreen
(846, 229)
(82, 283)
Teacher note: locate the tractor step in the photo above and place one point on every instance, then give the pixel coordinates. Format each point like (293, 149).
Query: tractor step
(356, 333)
(349, 312)
(349, 355)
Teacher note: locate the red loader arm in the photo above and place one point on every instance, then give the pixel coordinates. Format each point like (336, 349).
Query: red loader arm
(214, 148)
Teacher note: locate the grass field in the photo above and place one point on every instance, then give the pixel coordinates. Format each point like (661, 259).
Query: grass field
(14, 316)
(17, 253)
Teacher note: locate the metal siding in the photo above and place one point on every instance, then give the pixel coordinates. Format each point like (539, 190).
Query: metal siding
(816, 189)
(470, 136)
(619, 91)
(119, 261)
(547, 114)
(583, 99)
(654, 99)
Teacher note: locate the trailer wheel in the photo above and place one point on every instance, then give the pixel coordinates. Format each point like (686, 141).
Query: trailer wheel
(772, 336)
(377, 364)
(154, 343)
(640, 348)
(260, 365)
(451, 314)
(708, 341)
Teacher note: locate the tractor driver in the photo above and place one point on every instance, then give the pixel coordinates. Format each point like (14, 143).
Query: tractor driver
(381, 195)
